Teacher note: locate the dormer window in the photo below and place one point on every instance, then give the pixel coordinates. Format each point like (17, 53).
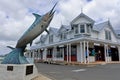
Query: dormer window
(82, 28)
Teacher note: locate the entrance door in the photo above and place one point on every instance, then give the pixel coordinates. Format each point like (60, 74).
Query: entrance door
(114, 54)
(99, 50)
(74, 53)
(49, 53)
(41, 54)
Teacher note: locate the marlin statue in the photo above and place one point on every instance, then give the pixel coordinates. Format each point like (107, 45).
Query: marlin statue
(16, 56)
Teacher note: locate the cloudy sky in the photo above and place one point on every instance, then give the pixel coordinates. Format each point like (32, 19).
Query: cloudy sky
(16, 15)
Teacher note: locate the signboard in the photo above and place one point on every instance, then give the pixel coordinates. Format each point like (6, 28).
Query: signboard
(29, 69)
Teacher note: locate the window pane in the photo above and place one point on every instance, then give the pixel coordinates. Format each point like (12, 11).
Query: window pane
(76, 29)
(73, 50)
(60, 36)
(88, 28)
(59, 52)
(82, 29)
(51, 38)
(107, 35)
(49, 53)
(63, 36)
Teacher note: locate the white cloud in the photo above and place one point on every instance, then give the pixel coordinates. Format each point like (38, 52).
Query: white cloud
(16, 15)
(104, 10)
(12, 29)
(71, 8)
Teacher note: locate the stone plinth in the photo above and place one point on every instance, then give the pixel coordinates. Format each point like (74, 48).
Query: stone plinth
(17, 71)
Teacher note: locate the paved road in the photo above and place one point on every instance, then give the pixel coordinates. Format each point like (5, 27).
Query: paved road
(67, 72)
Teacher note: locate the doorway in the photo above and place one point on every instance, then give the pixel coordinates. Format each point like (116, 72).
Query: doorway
(49, 53)
(74, 53)
(114, 54)
(99, 53)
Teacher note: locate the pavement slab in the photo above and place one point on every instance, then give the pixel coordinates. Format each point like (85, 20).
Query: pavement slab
(41, 77)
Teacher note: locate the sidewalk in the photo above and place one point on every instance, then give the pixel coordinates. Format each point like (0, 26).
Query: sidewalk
(78, 63)
(41, 77)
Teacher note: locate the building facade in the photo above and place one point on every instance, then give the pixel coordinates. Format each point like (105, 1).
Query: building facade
(82, 41)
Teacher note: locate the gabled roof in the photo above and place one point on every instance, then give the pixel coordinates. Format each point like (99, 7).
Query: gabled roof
(100, 26)
(42, 39)
(66, 27)
(54, 30)
(83, 15)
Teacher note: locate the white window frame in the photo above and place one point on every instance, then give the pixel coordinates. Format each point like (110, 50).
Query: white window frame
(59, 52)
(108, 35)
(84, 29)
(63, 36)
(50, 38)
(76, 28)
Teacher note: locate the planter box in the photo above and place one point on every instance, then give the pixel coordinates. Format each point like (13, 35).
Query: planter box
(91, 58)
(108, 59)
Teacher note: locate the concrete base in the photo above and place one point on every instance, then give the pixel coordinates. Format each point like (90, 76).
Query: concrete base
(18, 71)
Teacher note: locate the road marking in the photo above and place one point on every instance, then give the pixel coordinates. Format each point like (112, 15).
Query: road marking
(54, 72)
(79, 70)
(91, 65)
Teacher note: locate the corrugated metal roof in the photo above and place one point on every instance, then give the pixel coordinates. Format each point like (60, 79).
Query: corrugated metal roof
(100, 26)
(42, 39)
(54, 30)
(68, 27)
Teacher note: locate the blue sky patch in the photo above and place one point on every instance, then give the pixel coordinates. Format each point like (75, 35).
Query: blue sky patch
(89, 0)
(7, 17)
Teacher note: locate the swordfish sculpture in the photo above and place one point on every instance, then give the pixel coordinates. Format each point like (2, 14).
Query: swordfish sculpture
(16, 56)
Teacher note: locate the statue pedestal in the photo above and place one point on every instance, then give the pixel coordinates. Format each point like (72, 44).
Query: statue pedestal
(18, 71)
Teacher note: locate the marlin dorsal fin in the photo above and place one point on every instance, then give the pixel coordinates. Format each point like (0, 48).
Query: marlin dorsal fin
(36, 15)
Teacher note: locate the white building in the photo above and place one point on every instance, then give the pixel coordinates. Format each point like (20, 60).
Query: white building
(82, 41)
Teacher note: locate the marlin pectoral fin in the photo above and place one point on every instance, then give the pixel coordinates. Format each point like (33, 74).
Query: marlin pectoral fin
(10, 47)
(30, 43)
(47, 31)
